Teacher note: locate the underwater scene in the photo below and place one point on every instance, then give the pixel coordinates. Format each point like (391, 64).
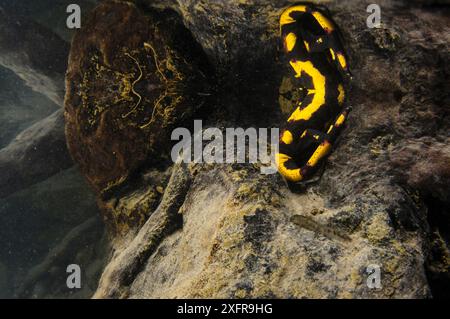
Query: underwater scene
(203, 149)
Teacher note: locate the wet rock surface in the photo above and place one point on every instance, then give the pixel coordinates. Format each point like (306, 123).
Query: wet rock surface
(129, 82)
(227, 230)
(33, 57)
(378, 201)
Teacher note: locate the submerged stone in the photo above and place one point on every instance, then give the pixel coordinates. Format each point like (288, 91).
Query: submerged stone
(133, 76)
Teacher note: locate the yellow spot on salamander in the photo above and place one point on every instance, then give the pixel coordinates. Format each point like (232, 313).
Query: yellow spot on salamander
(293, 175)
(290, 40)
(341, 95)
(342, 60)
(286, 18)
(321, 151)
(340, 120)
(333, 55)
(306, 45)
(319, 90)
(287, 137)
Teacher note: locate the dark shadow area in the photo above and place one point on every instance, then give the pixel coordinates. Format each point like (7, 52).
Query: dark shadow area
(437, 270)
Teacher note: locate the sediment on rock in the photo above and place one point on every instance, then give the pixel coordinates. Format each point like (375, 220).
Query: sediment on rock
(165, 219)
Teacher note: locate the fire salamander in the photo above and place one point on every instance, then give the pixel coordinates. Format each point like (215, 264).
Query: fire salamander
(313, 46)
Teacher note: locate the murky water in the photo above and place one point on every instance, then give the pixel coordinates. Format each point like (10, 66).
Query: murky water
(54, 222)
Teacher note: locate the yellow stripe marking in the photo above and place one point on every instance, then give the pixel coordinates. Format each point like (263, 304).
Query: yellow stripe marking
(340, 120)
(330, 129)
(342, 60)
(306, 45)
(293, 175)
(319, 90)
(325, 23)
(333, 55)
(321, 151)
(286, 15)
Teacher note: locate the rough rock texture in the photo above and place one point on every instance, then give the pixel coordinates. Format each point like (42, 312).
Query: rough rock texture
(164, 220)
(228, 231)
(238, 240)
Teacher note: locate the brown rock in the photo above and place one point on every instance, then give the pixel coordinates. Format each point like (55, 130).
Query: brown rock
(132, 76)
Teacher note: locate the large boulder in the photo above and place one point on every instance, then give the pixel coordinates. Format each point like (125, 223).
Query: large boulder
(133, 75)
(228, 231)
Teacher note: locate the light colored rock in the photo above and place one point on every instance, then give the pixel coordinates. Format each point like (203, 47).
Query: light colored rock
(35, 154)
(244, 234)
(35, 54)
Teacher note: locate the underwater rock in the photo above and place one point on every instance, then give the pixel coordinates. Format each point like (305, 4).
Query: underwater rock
(238, 240)
(35, 154)
(20, 106)
(242, 234)
(423, 164)
(127, 263)
(59, 224)
(38, 56)
(126, 212)
(133, 76)
(238, 36)
(80, 246)
(35, 54)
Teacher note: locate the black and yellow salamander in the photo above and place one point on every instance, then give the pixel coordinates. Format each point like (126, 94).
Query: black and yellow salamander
(313, 46)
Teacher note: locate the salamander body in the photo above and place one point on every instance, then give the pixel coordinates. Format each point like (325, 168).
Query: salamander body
(313, 46)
